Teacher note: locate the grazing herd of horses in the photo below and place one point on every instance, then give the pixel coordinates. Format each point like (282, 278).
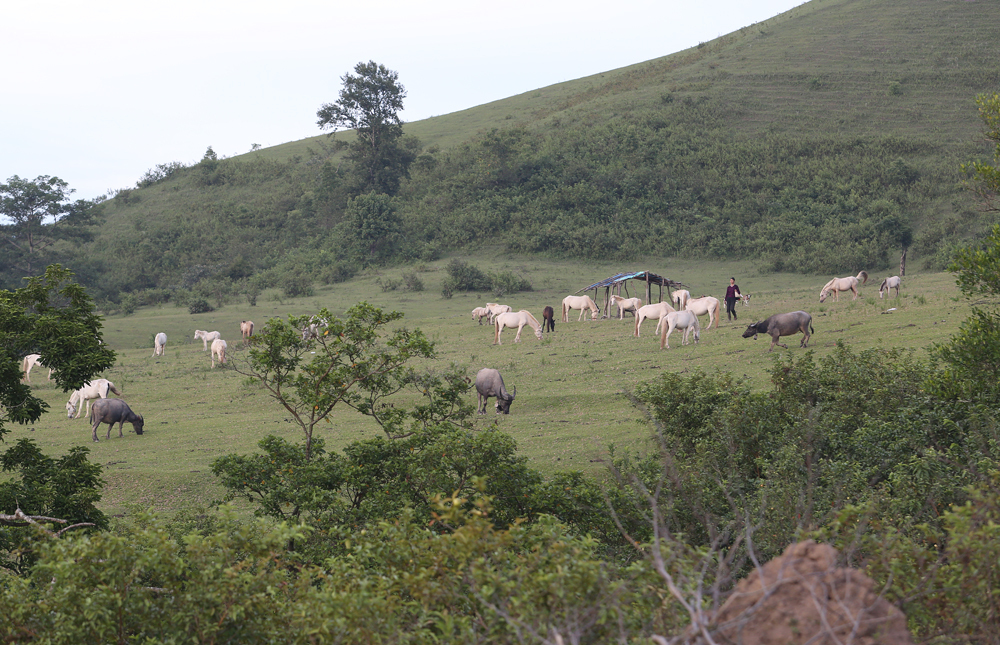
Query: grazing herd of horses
(112, 411)
(681, 312)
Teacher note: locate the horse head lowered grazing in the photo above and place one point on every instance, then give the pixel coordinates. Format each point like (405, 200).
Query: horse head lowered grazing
(518, 320)
(837, 285)
(583, 303)
(890, 283)
(80, 399)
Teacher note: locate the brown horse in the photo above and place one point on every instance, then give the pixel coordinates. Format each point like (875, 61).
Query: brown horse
(548, 319)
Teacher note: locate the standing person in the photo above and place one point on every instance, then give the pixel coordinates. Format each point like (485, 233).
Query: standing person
(732, 295)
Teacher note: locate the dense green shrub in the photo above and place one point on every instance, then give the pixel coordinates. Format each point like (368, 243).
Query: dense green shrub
(199, 305)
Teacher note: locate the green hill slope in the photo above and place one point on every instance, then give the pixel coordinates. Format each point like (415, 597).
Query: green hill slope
(824, 139)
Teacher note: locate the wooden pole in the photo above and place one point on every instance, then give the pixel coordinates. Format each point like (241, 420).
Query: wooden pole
(902, 263)
(649, 289)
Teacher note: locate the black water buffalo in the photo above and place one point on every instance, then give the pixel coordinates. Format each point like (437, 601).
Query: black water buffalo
(780, 325)
(490, 383)
(112, 411)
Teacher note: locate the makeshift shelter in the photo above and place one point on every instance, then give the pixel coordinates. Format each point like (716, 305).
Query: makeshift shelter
(619, 281)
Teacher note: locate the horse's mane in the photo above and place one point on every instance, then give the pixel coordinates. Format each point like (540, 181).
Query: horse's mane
(528, 314)
(829, 284)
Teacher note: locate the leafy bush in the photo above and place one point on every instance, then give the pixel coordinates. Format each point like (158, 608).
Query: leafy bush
(296, 284)
(412, 282)
(503, 283)
(199, 305)
(129, 303)
(465, 277)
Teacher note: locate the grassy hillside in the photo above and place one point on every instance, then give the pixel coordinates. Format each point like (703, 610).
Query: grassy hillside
(822, 140)
(571, 403)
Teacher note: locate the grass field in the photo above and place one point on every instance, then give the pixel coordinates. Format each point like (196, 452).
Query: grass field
(570, 404)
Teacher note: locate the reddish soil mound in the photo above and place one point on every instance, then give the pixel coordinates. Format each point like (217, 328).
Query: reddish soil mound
(803, 597)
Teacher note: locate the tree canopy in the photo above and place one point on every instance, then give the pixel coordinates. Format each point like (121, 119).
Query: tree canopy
(984, 177)
(54, 317)
(39, 213)
(369, 104)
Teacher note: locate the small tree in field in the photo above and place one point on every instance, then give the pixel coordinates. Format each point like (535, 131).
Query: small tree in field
(311, 364)
(369, 104)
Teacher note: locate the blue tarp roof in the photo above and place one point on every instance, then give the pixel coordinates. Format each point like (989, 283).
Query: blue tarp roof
(637, 275)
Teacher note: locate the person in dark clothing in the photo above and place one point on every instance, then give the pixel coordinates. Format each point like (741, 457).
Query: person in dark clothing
(732, 295)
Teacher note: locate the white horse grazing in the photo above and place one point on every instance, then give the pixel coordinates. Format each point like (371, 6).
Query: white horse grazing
(512, 320)
(29, 362)
(218, 351)
(583, 303)
(890, 283)
(680, 298)
(246, 328)
(625, 304)
(206, 337)
(686, 320)
(481, 312)
(97, 389)
(496, 309)
(837, 285)
(159, 344)
(657, 310)
(706, 305)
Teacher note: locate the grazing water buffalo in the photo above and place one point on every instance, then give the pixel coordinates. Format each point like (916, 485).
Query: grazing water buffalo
(548, 319)
(112, 411)
(490, 383)
(780, 325)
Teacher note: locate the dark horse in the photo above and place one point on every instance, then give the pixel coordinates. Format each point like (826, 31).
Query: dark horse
(548, 319)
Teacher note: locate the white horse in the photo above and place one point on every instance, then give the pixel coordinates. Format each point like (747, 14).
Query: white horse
(686, 320)
(481, 312)
(680, 298)
(206, 337)
(159, 344)
(837, 285)
(495, 309)
(706, 305)
(97, 389)
(625, 304)
(890, 283)
(29, 362)
(583, 303)
(218, 351)
(657, 310)
(512, 320)
(246, 329)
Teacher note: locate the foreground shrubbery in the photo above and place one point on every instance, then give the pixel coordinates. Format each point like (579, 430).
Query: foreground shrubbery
(436, 532)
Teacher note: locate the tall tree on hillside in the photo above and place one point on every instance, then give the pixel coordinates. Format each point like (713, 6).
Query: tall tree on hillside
(984, 177)
(36, 214)
(369, 103)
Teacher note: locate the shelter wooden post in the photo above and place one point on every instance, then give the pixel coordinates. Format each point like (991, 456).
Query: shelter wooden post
(649, 289)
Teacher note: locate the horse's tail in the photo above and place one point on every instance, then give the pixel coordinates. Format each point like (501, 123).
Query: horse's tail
(496, 329)
(564, 314)
(111, 387)
(717, 313)
(863, 276)
(24, 367)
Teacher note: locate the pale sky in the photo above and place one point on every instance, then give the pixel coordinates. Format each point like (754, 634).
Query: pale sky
(98, 92)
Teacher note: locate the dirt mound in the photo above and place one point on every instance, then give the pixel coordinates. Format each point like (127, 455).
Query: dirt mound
(803, 597)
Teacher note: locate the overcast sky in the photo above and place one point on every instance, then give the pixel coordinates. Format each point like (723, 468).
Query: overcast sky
(98, 92)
